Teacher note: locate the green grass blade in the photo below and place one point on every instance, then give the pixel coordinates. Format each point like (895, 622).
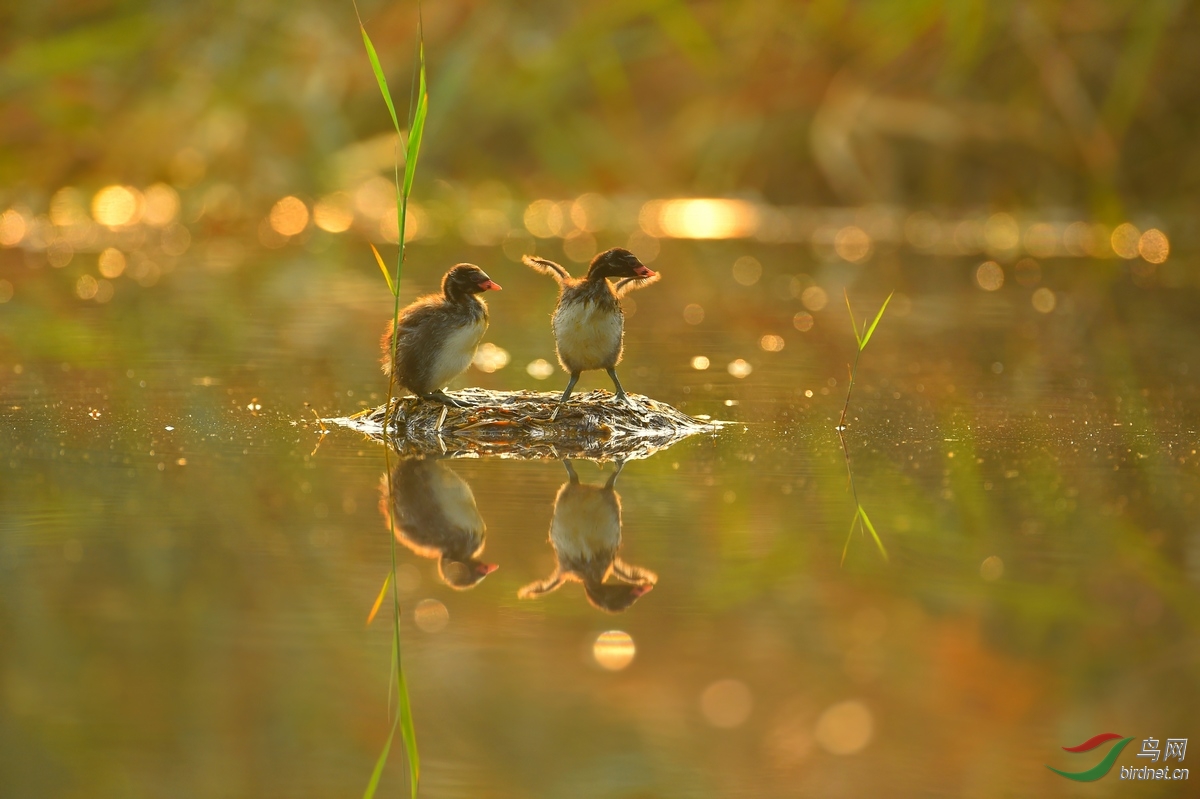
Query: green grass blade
(391, 288)
(408, 730)
(849, 535)
(866, 521)
(867, 336)
(379, 599)
(379, 78)
(416, 131)
(380, 763)
(853, 324)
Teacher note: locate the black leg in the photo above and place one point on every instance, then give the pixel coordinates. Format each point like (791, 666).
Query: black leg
(570, 387)
(571, 472)
(445, 399)
(620, 391)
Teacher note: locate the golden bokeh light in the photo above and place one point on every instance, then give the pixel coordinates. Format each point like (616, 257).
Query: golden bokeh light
(590, 212)
(726, 703)
(162, 205)
(1153, 246)
(693, 314)
(700, 363)
(844, 728)
(814, 298)
(112, 262)
(852, 244)
(747, 270)
(289, 216)
(1044, 300)
(803, 321)
(490, 358)
(59, 253)
(540, 369)
(334, 213)
(1001, 233)
(544, 219)
(416, 222)
(739, 368)
(1124, 240)
(431, 615)
(86, 287)
(992, 568)
(6, 291)
(116, 206)
(771, 343)
(706, 218)
(614, 650)
(12, 228)
(989, 276)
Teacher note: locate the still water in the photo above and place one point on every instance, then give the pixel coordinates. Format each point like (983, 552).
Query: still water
(187, 563)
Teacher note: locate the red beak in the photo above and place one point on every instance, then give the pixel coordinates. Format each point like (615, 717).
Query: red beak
(489, 285)
(642, 589)
(643, 271)
(485, 569)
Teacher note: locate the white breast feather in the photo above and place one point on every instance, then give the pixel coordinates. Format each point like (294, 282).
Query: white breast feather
(457, 502)
(586, 335)
(585, 523)
(456, 353)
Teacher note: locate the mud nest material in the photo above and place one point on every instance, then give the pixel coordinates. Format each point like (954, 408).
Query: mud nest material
(517, 424)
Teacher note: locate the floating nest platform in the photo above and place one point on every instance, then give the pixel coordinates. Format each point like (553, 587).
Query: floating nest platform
(518, 424)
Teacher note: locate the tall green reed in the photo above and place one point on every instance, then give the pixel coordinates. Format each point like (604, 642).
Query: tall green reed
(860, 513)
(418, 109)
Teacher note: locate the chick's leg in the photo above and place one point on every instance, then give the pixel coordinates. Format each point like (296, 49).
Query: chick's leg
(566, 394)
(620, 390)
(570, 387)
(445, 399)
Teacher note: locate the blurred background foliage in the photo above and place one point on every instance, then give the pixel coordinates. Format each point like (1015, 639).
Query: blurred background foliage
(1077, 103)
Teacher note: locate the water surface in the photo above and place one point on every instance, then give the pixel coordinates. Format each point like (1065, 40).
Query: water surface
(188, 564)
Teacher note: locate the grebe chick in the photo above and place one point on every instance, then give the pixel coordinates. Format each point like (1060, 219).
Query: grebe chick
(588, 322)
(438, 334)
(433, 513)
(585, 533)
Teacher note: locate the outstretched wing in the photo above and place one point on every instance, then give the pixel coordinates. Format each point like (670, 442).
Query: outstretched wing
(546, 267)
(628, 284)
(539, 587)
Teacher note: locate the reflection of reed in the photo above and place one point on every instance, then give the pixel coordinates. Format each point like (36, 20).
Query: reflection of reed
(432, 511)
(860, 513)
(586, 534)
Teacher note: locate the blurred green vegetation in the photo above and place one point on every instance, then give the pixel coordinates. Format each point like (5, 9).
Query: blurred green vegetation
(1077, 103)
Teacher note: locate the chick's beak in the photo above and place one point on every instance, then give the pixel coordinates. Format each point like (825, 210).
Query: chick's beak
(489, 285)
(643, 271)
(484, 569)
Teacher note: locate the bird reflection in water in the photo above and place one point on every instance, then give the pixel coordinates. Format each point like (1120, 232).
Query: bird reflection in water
(586, 534)
(435, 516)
